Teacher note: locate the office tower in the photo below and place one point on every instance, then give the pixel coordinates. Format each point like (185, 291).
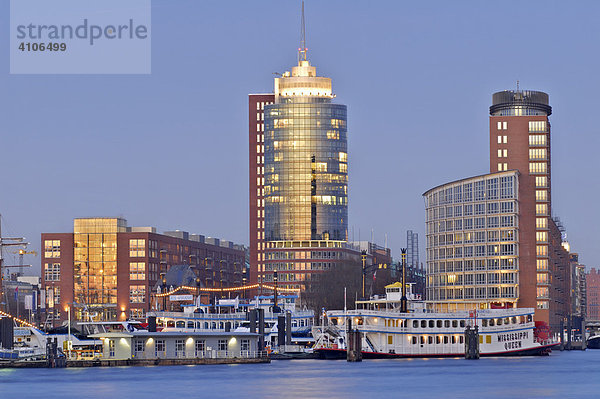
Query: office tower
(491, 239)
(256, 129)
(298, 177)
(472, 242)
(520, 140)
(108, 270)
(412, 248)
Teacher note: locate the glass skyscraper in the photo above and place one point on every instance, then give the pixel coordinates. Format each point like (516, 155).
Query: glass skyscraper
(306, 159)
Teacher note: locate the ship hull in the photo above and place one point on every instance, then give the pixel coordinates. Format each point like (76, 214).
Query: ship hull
(338, 354)
(594, 342)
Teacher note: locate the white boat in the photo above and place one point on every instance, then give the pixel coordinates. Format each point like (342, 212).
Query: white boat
(232, 315)
(387, 332)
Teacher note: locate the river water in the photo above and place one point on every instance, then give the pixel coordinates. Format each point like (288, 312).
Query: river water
(573, 374)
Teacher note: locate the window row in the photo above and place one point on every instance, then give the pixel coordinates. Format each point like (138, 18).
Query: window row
(468, 237)
(470, 265)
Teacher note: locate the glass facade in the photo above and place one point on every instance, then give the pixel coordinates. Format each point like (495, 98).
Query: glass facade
(306, 170)
(95, 264)
(472, 240)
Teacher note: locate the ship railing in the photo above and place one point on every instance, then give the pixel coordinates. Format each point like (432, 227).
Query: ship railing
(215, 316)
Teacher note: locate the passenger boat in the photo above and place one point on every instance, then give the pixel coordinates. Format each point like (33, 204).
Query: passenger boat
(232, 315)
(389, 333)
(593, 342)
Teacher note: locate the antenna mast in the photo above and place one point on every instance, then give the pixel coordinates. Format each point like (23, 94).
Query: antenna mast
(302, 50)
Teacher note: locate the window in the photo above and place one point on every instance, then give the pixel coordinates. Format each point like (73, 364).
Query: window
(138, 347)
(537, 140)
(222, 345)
(507, 235)
(179, 348)
(137, 248)
(493, 207)
(111, 347)
(542, 292)
(493, 221)
(159, 348)
(541, 223)
(537, 167)
(504, 125)
(137, 270)
(52, 248)
(506, 187)
(52, 296)
(537, 126)
(245, 345)
(136, 313)
(541, 209)
(537, 153)
(507, 249)
(507, 207)
(542, 264)
(507, 221)
(541, 195)
(504, 139)
(542, 278)
(480, 190)
(541, 250)
(52, 271)
(542, 304)
(137, 294)
(200, 346)
(541, 236)
(541, 181)
(499, 126)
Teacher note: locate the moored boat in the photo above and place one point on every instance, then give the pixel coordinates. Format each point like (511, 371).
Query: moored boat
(386, 332)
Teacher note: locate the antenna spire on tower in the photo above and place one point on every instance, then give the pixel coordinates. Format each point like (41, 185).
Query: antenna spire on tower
(517, 85)
(302, 50)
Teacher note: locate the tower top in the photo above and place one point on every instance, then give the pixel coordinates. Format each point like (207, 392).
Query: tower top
(302, 50)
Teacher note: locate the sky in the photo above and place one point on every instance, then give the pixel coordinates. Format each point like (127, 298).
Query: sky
(170, 149)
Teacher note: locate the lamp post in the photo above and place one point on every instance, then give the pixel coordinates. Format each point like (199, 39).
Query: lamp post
(275, 280)
(403, 300)
(164, 291)
(363, 256)
(198, 290)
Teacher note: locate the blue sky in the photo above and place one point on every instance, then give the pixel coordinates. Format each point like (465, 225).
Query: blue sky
(170, 149)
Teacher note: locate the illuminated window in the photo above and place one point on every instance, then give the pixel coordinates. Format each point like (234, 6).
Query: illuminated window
(499, 167)
(505, 139)
(541, 195)
(499, 125)
(343, 167)
(137, 294)
(541, 209)
(537, 153)
(343, 157)
(542, 264)
(537, 139)
(541, 250)
(504, 125)
(537, 126)
(137, 270)
(541, 236)
(541, 181)
(137, 248)
(52, 271)
(499, 139)
(542, 278)
(499, 153)
(542, 304)
(537, 167)
(542, 292)
(52, 248)
(541, 223)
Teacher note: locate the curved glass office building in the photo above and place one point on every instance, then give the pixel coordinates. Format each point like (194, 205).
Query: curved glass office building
(306, 160)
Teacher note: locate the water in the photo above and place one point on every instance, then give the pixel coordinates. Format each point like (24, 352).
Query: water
(573, 374)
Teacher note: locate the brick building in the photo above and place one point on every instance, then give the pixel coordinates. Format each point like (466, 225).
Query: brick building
(108, 270)
(592, 280)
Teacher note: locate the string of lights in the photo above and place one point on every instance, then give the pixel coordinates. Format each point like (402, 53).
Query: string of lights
(228, 289)
(23, 322)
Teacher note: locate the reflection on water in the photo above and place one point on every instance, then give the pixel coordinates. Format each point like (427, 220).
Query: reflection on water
(563, 374)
